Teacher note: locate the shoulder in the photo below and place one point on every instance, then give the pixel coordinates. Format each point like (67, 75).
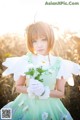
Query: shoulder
(68, 68)
(16, 65)
(63, 60)
(25, 57)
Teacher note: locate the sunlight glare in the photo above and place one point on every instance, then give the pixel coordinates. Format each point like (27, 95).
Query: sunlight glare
(17, 14)
(64, 19)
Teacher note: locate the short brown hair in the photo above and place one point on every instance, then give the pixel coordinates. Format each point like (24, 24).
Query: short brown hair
(39, 29)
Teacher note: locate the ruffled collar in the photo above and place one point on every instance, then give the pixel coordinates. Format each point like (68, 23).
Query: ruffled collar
(38, 59)
(44, 56)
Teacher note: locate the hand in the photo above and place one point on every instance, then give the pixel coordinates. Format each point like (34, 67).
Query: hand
(46, 93)
(29, 90)
(30, 94)
(36, 87)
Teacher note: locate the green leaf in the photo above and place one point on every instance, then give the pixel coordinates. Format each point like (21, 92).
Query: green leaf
(40, 70)
(32, 71)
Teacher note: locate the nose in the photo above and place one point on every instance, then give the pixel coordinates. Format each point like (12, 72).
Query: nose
(39, 43)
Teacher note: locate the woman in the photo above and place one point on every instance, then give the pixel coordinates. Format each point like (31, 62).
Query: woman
(40, 100)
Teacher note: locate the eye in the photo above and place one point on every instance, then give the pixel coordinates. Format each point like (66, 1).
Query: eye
(44, 39)
(33, 41)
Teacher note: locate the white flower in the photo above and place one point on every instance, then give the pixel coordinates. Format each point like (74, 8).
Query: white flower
(44, 116)
(35, 72)
(30, 66)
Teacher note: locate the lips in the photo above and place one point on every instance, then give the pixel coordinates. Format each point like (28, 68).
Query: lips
(40, 50)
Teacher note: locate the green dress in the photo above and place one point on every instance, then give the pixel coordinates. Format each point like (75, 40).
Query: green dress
(25, 107)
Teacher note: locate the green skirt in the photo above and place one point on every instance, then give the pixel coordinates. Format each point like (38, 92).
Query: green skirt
(26, 108)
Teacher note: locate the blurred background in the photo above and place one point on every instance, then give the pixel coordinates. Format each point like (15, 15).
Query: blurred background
(15, 16)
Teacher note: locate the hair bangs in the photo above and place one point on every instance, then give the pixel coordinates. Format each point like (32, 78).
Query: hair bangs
(38, 32)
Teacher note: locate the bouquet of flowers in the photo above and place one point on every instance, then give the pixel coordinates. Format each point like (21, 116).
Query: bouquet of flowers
(36, 88)
(36, 72)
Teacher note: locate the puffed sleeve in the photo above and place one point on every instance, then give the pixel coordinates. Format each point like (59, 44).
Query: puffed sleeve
(16, 66)
(67, 70)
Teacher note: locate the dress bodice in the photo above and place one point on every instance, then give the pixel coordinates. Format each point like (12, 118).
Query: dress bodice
(50, 63)
(56, 67)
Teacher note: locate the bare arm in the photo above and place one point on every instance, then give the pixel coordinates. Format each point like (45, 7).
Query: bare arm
(20, 85)
(57, 93)
(60, 89)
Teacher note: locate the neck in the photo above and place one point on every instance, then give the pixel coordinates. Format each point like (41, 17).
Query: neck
(47, 56)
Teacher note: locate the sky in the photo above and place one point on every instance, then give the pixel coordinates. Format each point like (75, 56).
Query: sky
(16, 15)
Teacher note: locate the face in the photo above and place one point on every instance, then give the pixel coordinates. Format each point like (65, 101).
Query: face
(41, 46)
